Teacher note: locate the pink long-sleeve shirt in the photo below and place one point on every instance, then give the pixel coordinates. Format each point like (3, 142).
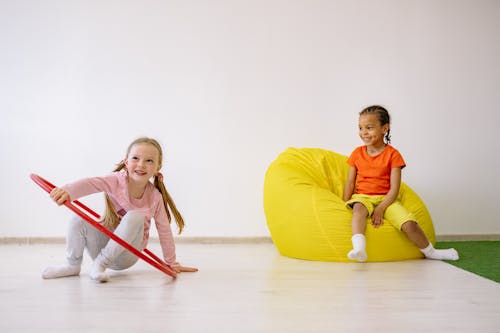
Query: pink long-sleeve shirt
(151, 205)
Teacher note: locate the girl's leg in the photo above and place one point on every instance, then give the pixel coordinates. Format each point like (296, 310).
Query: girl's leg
(417, 236)
(113, 255)
(359, 215)
(75, 245)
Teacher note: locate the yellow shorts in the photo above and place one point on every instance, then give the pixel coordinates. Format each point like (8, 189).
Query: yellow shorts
(395, 214)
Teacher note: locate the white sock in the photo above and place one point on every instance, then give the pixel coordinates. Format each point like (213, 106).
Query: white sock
(53, 272)
(447, 254)
(358, 252)
(97, 272)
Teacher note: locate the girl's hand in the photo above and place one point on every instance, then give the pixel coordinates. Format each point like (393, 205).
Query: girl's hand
(378, 217)
(59, 195)
(180, 269)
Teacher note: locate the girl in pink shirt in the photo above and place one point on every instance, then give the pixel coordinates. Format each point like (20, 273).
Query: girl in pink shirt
(131, 202)
(372, 187)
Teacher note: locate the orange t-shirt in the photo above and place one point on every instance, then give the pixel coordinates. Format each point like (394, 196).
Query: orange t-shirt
(374, 172)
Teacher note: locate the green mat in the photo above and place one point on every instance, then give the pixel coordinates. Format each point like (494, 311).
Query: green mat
(479, 257)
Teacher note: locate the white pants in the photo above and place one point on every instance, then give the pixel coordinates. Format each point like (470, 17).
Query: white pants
(82, 234)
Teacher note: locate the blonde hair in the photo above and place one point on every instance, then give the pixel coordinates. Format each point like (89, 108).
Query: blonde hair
(111, 218)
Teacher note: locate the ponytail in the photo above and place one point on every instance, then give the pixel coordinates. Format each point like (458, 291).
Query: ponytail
(111, 219)
(169, 203)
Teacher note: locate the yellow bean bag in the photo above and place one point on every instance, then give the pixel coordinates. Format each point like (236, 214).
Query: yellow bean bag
(308, 219)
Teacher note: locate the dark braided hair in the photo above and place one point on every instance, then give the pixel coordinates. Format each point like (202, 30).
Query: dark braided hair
(383, 117)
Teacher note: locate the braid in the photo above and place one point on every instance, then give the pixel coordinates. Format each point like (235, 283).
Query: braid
(169, 204)
(111, 218)
(383, 116)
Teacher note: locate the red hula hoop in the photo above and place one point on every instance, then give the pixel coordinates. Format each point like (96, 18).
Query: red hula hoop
(92, 217)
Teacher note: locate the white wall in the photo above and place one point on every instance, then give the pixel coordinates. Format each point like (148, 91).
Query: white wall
(227, 85)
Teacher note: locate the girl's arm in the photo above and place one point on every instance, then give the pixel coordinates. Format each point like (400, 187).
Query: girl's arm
(165, 235)
(378, 212)
(167, 240)
(168, 247)
(350, 183)
(87, 186)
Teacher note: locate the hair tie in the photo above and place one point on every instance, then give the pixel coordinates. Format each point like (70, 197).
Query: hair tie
(159, 175)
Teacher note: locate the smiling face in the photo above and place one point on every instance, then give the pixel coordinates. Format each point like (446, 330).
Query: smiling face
(371, 131)
(142, 162)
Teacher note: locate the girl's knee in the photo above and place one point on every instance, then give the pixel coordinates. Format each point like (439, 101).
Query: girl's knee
(134, 216)
(359, 209)
(133, 219)
(410, 227)
(76, 223)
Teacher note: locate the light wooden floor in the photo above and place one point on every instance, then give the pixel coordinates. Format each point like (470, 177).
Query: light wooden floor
(245, 288)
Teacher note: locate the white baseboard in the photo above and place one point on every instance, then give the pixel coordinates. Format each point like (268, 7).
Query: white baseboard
(470, 237)
(178, 240)
(232, 240)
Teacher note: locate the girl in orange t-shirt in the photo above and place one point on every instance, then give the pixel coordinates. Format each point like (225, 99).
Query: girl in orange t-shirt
(373, 185)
